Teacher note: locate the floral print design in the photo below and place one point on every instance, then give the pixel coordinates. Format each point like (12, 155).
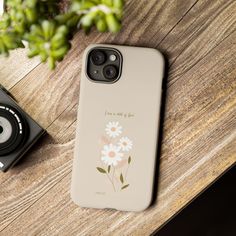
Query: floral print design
(113, 129)
(111, 154)
(126, 144)
(115, 156)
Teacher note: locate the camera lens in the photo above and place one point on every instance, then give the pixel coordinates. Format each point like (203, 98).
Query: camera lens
(110, 72)
(98, 57)
(13, 129)
(5, 130)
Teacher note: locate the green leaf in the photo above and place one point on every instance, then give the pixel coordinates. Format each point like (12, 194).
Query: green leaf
(48, 27)
(51, 63)
(109, 169)
(113, 23)
(101, 25)
(125, 186)
(108, 2)
(121, 178)
(60, 53)
(118, 4)
(129, 160)
(101, 170)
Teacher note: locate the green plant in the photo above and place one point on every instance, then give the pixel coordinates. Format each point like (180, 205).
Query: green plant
(48, 28)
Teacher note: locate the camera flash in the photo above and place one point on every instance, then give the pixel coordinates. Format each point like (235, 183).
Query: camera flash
(112, 57)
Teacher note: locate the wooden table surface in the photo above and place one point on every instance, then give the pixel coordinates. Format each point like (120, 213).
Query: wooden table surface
(199, 131)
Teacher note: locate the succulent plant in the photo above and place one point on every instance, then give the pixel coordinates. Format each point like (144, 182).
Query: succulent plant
(48, 28)
(48, 40)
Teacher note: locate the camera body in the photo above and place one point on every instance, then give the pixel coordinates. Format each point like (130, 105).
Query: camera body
(18, 131)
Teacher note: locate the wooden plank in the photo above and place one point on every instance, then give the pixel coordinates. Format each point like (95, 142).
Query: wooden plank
(15, 67)
(43, 83)
(198, 34)
(188, 165)
(199, 130)
(45, 89)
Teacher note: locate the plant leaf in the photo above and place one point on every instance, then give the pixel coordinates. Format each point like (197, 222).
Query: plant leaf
(125, 186)
(129, 160)
(109, 169)
(101, 170)
(121, 178)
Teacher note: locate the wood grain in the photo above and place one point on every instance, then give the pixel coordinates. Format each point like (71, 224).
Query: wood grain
(16, 67)
(199, 130)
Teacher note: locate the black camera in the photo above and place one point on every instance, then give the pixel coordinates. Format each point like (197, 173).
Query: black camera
(18, 131)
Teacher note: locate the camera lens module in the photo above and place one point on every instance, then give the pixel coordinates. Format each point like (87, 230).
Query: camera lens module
(13, 130)
(110, 72)
(104, 65)
(98, 57)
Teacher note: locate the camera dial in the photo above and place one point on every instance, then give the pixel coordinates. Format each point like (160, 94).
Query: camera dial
(13, 130)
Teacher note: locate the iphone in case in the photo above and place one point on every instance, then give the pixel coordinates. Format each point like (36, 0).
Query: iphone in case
(118, 126)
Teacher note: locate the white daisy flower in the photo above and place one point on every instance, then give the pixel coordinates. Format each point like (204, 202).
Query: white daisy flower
(126, 144)
(113, 129)
(111, 154)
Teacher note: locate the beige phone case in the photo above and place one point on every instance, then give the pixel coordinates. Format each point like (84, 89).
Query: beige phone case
(117, 133)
